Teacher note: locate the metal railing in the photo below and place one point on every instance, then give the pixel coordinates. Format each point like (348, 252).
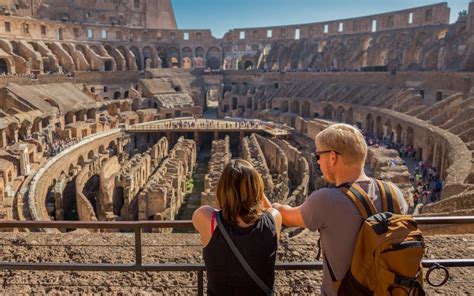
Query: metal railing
(199, 268)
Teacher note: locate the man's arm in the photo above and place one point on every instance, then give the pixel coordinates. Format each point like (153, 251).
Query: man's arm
(291, 217)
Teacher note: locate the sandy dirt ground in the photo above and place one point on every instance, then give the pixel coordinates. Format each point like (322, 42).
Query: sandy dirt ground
(176, 248)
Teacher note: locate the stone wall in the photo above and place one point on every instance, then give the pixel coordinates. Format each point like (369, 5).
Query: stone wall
(277, 162)
(85, 190)
(386, 166)
(164, 193)
(251, 151)
(298, 172)
(220, 157)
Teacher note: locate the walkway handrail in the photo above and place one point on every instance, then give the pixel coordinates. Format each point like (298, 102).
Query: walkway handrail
(137, 226)
(184, 223)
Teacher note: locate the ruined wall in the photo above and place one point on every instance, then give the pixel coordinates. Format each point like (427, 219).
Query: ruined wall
(386, 165)
(164, 193)
(105, 199)
(85, 208)
(220, 157)
(142, 13)
(298, 172)
(251, 151)
(278, 165)
(60, 164)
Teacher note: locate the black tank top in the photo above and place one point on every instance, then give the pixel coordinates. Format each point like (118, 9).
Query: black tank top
(257, 244)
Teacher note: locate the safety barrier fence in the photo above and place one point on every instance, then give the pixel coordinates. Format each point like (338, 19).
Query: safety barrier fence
(138, 226)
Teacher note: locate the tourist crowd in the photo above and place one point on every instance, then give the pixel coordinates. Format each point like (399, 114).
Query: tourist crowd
(58, 145)
(425, 179)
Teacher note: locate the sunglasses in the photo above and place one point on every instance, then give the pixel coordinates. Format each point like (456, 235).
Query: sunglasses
(318, 153)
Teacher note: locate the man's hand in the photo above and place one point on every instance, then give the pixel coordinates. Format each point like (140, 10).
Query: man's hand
(291, 216)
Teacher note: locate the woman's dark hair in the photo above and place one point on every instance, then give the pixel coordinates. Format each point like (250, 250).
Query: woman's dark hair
(240, 192)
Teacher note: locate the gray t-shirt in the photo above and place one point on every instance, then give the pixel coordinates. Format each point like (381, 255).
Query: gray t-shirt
(335, 216)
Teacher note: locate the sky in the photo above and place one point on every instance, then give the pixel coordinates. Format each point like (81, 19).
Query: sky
(223, 15)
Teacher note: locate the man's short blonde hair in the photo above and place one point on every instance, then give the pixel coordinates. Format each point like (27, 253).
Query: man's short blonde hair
(347, 140)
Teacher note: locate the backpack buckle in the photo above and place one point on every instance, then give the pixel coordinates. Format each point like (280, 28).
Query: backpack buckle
(383, 220)
(404, 281)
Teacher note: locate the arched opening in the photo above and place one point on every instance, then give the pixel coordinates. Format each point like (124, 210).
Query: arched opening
(284, 106)
(389, 131)
(125, 94)
(370, 124)
(340, 114)
(234, 103)
(3, 67)
(379, 126)
(173, 54)
(350, 116)
(148, 57)
(255, 103)
(118, 200)
(112, 149)
(199, 52)
(214, 63)
(295, 107)
(248, 65)
(69, 118)
(399, 132)
(249, 103)
(187, 53)
(117, 95)
(213, 58)
(50, 201)
(69, 201)
(91, 190)
(228, 63)
(163, 55)
(306, 112)
(328, 112)
(108, 65)
(428, 155)
(23, 133)
(410, 136)
(80, 161)
(90, 155)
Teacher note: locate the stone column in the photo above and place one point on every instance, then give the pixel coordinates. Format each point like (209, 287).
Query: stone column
(24, 160)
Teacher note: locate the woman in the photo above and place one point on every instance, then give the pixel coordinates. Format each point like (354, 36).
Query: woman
(252, 224)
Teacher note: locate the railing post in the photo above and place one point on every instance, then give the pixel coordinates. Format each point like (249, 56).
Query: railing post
(200, 283)
(138, 246)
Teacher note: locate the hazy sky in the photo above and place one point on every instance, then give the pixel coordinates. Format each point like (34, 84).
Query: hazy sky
(222, 15)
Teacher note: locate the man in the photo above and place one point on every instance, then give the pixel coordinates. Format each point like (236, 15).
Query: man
(340, 151)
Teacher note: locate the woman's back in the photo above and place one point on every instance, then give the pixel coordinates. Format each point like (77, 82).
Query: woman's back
(257, 244)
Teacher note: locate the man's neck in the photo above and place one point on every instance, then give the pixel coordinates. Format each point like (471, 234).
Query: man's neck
(350, 176)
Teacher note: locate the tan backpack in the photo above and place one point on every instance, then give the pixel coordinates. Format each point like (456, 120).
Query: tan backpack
(388, 251)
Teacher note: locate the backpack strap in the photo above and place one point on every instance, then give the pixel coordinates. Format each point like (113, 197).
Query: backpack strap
(389, 197)
(360, 198)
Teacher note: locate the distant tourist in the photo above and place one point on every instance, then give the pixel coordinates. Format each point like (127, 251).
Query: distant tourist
(252, 226)
(341, 153)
